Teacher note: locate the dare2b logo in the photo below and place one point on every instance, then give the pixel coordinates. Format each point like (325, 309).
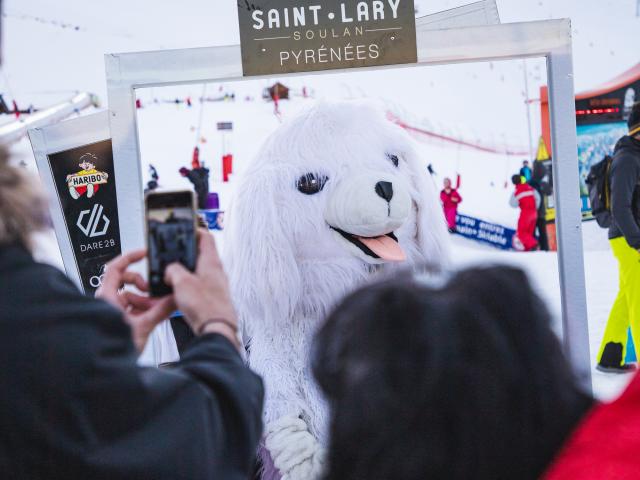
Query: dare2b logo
(86, 185)
(88, 180)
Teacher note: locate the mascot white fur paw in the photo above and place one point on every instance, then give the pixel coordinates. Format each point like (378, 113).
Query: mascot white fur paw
(334, 196)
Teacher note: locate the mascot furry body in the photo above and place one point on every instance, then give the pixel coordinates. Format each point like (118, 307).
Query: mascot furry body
(334, 195)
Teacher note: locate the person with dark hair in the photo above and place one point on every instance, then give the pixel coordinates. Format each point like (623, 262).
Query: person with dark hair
(153, 183)
(624, 237)
(74, 403)
(543, 188)
(526, 171)
(448, 382)
(199, 178)
(528, 200)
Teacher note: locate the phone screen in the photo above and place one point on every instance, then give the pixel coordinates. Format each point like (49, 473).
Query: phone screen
(171, 235)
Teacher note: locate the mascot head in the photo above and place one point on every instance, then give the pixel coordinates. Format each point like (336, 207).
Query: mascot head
(333, 195)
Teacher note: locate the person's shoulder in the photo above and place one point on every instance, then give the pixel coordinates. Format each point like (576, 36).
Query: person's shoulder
(626, 149)
(42, 278)
(625, 159)
(38, 290)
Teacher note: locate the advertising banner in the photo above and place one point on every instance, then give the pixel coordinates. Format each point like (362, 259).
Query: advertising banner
(485, 232)
(224, 125)
(609, 105)
(86, 189)
(295, 36)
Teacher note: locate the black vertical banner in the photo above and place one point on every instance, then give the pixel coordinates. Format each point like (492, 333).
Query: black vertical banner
(86, 187)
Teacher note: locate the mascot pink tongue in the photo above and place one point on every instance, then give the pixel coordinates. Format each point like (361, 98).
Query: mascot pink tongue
(385, 247)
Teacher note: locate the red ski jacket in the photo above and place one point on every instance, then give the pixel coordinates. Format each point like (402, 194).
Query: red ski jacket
(451, 199)
(525, 195)
(606, 444)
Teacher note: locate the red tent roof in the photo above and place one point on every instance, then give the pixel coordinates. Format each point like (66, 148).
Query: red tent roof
(630, 76)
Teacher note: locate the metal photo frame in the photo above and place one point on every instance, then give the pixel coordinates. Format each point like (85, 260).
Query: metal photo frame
(487, 42)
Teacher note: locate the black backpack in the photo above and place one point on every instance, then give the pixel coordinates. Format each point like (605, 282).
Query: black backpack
(599, 187)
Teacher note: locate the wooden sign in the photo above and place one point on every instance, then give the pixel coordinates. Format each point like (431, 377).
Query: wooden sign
(286, 36)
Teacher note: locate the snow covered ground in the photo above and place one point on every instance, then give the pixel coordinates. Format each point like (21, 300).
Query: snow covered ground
(167, 135)
(53, 49)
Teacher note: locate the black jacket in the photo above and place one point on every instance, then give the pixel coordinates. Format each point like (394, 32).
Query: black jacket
(74, 404)
(625, 197)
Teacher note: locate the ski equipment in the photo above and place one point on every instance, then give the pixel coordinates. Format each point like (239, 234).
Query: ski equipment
(599, 185)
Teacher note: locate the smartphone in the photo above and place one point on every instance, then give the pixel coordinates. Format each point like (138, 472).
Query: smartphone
(171, 235)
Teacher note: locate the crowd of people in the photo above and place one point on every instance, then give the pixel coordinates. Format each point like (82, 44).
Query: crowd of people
(424, 378)
(528, 196)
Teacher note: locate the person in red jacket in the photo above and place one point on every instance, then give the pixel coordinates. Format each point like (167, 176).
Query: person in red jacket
(528, 200)
(605, 445)
(450, 199)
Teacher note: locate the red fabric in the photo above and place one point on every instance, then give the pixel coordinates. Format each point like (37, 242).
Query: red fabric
(528, 216)
(227, 167)
(526, 229)
(450, 202)
(195, 161)
(526, 197)
(82, 189)
(606, 443)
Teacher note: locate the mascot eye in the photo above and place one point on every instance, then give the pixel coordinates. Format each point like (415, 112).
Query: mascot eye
(394, 159)
(310, 184)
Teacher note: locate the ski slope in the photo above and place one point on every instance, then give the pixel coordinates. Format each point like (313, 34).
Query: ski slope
(167, 137)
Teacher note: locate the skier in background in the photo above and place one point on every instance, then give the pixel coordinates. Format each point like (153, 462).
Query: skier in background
(544, 189)
(153, 183)
(528, 200)
(450, 199)
(199, 177)
(624, 237)
(195, 160)
(525, 171)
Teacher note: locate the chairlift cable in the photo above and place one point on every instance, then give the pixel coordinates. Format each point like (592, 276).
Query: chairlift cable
(202, 102)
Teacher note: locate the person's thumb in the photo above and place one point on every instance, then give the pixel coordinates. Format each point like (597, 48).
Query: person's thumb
(160, 310)
(144, 323)
(175, 273)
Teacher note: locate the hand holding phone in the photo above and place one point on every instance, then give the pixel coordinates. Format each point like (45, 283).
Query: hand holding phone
(171, 235)
(203, 296)
(140, 312)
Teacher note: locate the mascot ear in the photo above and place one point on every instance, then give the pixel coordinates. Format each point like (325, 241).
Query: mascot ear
(432, 236)
(258, 255)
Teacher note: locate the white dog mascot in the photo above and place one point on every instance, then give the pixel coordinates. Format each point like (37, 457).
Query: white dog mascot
(334, 195)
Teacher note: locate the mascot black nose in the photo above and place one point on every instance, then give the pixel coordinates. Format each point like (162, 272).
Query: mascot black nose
(385, 190)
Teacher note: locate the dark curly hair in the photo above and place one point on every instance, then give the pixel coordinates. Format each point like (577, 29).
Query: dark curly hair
(23, 208)
(465, 381)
